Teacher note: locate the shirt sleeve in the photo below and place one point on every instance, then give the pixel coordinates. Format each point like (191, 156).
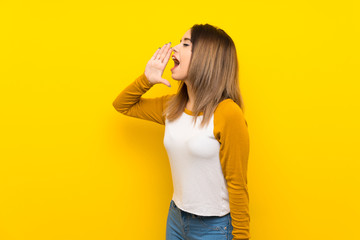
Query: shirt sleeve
(230, 129)
(131, 103)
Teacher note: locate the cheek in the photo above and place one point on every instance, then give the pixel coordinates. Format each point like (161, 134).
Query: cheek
(187, 60)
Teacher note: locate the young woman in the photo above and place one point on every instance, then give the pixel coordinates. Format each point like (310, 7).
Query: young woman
(206, 135)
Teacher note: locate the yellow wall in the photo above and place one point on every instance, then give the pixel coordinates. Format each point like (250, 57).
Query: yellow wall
(73, 168)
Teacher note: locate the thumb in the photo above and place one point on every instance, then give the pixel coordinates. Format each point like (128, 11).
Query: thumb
(166, 82)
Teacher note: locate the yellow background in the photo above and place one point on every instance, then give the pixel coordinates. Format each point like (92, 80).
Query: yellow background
(73, 168)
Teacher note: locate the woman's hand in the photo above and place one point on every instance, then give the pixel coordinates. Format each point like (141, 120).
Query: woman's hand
(156, 65)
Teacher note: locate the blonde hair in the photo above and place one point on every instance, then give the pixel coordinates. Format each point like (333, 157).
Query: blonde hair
(213, 74)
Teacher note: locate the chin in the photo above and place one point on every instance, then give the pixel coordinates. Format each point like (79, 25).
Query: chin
(177, 78)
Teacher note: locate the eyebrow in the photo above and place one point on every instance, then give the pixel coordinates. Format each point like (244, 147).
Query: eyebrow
(186, 39)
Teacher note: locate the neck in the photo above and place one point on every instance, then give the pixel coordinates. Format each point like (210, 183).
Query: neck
(191, 95)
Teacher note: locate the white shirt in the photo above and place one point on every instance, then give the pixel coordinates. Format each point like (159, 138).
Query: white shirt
(198, 181)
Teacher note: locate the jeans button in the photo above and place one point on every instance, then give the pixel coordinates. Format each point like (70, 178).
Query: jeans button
(225, 228)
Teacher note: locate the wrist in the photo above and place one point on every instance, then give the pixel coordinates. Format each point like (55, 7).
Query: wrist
(147, 80)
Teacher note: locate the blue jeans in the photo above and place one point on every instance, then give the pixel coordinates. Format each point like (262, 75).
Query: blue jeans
(182, 225)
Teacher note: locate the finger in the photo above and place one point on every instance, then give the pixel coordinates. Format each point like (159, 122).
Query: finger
(161, 51)
(166, 82)
(164, 53)
(167, 56)
(155, 54)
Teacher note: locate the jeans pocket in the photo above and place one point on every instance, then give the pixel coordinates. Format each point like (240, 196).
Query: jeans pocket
(216, 223)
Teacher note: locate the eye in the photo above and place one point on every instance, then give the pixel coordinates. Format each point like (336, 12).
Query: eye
(186, 44)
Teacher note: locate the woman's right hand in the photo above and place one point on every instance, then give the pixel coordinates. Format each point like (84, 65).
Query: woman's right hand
(156, 65)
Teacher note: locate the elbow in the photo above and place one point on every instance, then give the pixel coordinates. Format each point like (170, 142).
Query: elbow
(115, 106)
(119, 108)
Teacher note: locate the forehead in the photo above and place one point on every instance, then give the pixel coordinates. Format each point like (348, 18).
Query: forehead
(187, 35)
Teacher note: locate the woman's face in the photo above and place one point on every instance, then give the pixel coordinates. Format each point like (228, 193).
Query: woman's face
(182, 53)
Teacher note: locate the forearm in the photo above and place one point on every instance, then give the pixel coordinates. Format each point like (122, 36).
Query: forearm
(239, 211)
(131, 95)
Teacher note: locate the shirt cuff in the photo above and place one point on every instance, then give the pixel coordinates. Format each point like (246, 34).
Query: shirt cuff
(145, 81)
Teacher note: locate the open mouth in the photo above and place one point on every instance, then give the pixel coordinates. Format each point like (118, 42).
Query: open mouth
(176, 62)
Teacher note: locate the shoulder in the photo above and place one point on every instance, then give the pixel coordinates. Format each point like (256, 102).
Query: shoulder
(167, 98)
(229, 117)
(228, 109)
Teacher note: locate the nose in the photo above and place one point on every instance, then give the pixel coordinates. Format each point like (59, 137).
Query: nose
(174, 49)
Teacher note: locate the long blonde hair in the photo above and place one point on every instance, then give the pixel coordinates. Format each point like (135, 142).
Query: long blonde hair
(213, 74)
